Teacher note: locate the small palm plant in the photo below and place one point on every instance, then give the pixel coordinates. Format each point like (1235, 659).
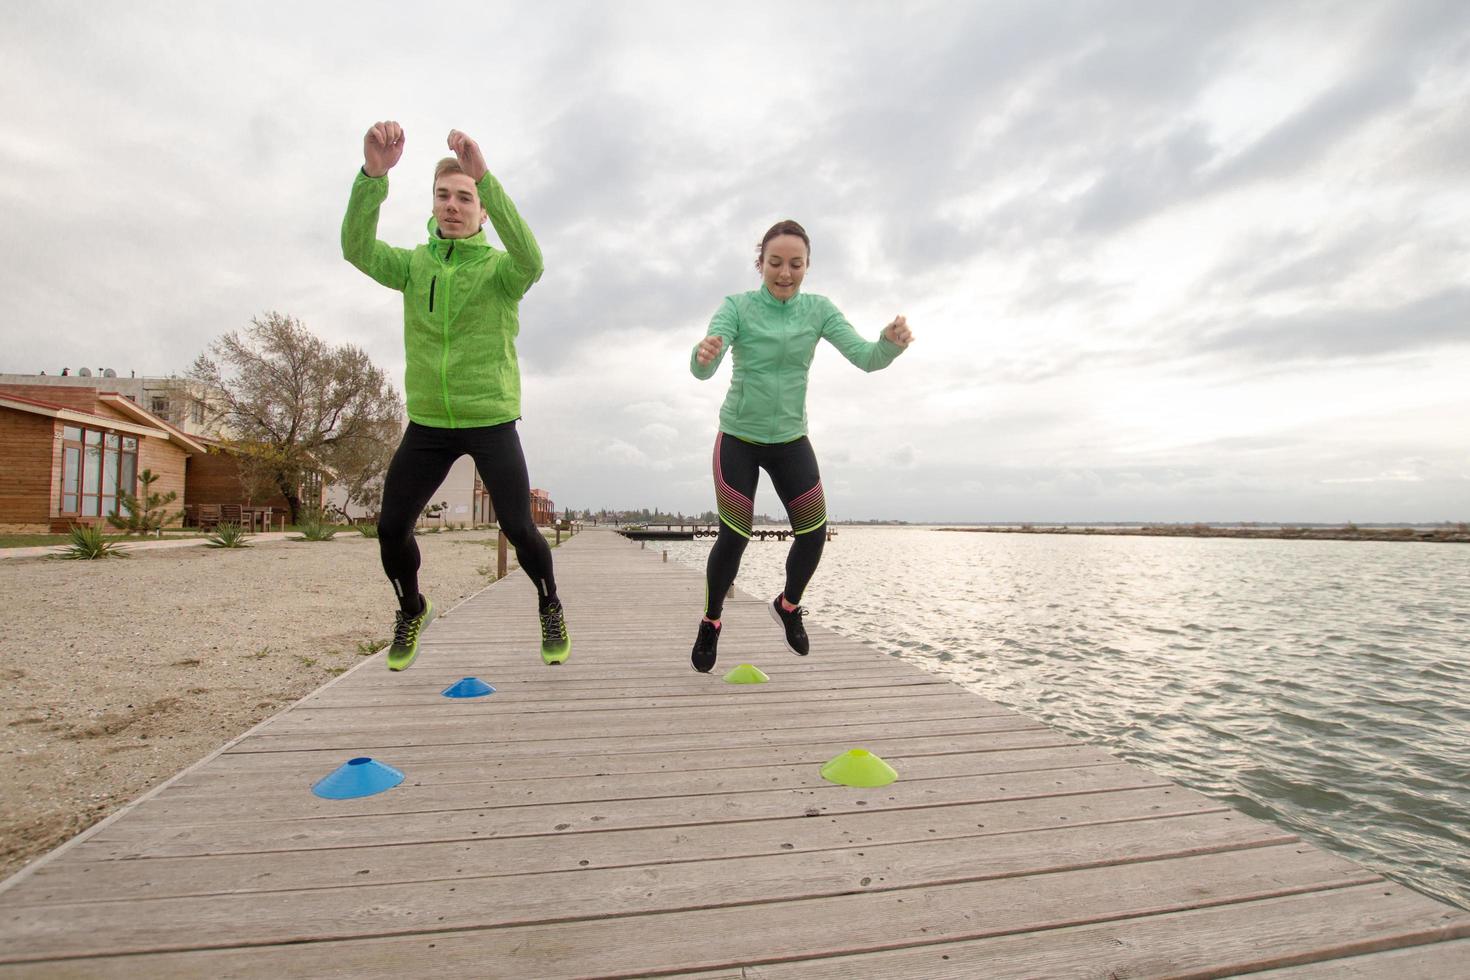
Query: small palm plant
(88, 543)
(228, 535)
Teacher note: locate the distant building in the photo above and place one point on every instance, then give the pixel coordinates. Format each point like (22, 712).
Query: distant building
(177, 401)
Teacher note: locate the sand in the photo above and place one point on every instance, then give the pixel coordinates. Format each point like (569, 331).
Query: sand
(120, 673)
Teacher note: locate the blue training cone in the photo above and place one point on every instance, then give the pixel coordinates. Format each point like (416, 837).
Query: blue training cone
(357, 777)
(470, 687)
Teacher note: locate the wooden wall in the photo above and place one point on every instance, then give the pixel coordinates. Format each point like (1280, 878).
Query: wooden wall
(27, 445)
(214, 478)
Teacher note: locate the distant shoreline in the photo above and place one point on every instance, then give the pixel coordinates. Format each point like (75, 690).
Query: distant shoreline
(1459, 534)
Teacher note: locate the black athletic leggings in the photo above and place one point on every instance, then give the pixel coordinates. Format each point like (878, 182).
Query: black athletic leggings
(420, 465)
(793, 470)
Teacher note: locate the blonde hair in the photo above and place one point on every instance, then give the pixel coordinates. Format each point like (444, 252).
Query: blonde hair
(449, 165)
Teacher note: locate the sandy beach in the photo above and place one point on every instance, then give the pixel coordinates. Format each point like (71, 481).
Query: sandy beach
(120, 673)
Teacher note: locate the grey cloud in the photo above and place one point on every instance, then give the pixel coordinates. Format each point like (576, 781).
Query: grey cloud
(1438, 320)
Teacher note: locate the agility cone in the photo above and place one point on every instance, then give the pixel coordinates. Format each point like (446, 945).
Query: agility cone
(858, 767)
(470, 687)
(357, 777)
(745, 674)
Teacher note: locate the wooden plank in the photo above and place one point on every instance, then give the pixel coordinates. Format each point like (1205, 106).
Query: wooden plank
(177, 806)
(254, 754)
(1226, 941)
(283, 733)
(521, 694)
(1439, 961)
(141, 925)
(144, 838)
(713, 934)
(566, 765)
(493, 710)
(90, 876)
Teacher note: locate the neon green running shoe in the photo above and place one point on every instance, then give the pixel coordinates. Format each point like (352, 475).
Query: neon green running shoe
(406, 630)
(556, 642)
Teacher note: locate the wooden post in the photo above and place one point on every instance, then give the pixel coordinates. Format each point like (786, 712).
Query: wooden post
(558, 534)
(666, 556)
(500, 557)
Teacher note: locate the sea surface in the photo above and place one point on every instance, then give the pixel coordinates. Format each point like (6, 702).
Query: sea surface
(1321, 685)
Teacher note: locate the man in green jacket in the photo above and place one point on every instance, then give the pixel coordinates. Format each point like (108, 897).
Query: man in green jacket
(461, 299)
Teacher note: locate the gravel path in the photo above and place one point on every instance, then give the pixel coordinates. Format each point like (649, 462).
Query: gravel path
(118, 674)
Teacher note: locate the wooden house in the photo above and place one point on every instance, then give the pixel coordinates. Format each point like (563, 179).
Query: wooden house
(66, 454)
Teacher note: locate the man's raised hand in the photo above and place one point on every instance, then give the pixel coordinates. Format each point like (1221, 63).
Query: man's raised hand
(898, 332)
(709, 349)
(467, 151)
(381, 148)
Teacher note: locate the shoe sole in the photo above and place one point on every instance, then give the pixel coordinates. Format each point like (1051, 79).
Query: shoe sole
(554, 659)
(779, 622)
(415, 654)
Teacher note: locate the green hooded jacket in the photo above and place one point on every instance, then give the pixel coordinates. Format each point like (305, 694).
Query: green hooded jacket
(773, 343)
(460, 306)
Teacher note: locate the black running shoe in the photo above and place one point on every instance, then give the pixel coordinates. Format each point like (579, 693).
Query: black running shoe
(796, 640)
(702, 657)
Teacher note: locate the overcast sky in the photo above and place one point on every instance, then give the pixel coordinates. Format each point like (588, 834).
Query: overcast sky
(1163, 260)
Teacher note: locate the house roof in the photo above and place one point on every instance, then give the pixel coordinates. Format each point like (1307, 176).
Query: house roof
(173, 433)
(148, 424)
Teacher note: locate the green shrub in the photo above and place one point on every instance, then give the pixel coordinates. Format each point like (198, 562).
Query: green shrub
(147, 512)
(368, 530)
(314, 526)
(228, 535)
(87, 543)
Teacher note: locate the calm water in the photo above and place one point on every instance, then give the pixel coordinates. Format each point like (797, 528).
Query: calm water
(1321, 685)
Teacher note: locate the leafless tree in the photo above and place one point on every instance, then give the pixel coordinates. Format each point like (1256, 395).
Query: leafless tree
(290, 405)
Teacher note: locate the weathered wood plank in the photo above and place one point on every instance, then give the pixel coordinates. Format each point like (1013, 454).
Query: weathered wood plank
(713, 934)
(1439, 961)
(562, 764)
(496, 744)
(1215, 942)
(90, 876)
(144, 838)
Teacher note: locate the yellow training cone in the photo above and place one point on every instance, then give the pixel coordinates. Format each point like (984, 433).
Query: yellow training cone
(745, 674)
(858, 767)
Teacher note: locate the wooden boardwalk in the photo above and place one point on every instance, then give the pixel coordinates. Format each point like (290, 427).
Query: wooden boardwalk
(624, 816)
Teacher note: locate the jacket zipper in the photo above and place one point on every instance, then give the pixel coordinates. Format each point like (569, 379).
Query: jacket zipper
(444, 355)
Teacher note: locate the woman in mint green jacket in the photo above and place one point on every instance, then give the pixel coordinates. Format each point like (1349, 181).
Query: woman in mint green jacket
(773, 333)
(461, 299)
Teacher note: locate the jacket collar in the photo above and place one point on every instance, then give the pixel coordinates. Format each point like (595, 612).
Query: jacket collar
(767, 299)
(440, 245)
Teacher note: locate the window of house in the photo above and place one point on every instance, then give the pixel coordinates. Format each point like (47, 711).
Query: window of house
(159, 406)
(96, 469)
(198, 413)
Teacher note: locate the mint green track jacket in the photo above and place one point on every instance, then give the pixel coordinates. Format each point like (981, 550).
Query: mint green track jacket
(461, 299)
(773, 343)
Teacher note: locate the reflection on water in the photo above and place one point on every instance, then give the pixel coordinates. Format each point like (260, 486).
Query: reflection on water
(1322, 685)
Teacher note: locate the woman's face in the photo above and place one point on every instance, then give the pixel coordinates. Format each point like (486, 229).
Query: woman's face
(784, 266)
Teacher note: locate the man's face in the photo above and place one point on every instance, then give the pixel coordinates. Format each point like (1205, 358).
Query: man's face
(457, 206)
